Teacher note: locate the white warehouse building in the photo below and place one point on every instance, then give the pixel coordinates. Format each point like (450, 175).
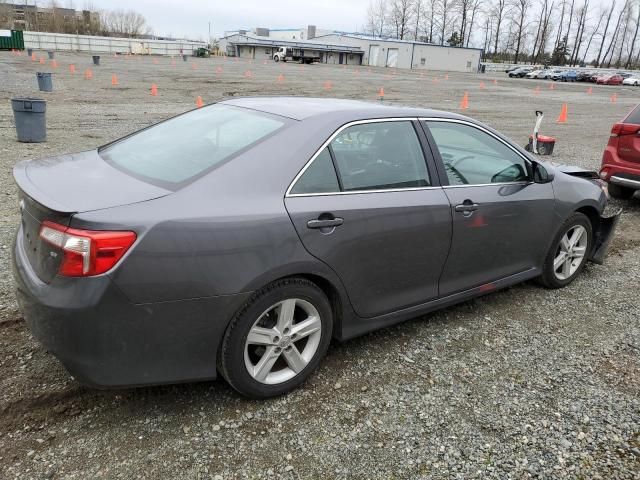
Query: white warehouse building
(380, 52)
(353, 49)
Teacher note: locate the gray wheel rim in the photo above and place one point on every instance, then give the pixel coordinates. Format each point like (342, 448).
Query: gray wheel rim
(571, 252)
(282, 341)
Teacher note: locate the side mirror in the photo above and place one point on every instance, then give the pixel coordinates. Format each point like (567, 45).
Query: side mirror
(541, 174)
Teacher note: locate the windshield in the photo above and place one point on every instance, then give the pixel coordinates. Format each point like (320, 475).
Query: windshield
(184, 147)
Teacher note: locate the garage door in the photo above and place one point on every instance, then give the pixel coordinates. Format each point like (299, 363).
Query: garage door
(374, 51)
(392, 57)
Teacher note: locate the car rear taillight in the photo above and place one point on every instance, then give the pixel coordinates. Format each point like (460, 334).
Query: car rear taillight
(620, 129)
(86, 252)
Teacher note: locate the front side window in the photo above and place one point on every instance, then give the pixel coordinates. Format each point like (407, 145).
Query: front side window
(473, 157)
(378, 156)
(186, 146)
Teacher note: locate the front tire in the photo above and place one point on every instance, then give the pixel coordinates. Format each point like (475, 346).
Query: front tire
(619, 192)
(568, 253)
(276, 58)
(277, 339)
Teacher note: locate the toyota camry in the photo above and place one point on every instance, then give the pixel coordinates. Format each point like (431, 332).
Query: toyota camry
(241, 238)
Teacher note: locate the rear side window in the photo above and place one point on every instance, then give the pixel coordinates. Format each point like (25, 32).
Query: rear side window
(320, 177)
(184, 147)
(378, 156)
(634, 116)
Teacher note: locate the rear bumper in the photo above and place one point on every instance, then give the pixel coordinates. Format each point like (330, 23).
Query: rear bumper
(603, 236)
(104, 340)
(618, 171)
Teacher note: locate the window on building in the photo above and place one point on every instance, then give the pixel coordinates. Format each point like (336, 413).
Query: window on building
(423, 61)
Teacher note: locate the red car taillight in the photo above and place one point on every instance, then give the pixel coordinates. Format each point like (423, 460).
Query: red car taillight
(620, 129)
(86, 252)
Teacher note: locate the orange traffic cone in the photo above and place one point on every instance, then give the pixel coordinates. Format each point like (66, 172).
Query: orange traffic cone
(446, 77)
(381, 93)
(154, 90)
(537, 90)
(54, 64)
(280, 78)
(199, 102)
(41, 60)
(552, 86)
(219, 70)
(33, 57)
(327, 85)
(589, 91)
(495, 81)
(248, 74)
(481, 85)
(614, 98)
(464, 104)
(114, 79)
(563, 114)
(72, 68)
(88, 74)
(155, 61)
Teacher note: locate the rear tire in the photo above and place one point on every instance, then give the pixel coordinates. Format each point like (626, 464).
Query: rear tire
(619, 192)
(290, 322)
(565, 260)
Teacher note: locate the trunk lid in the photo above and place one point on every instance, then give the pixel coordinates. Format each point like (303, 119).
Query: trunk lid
(81, 182)
(56, 188)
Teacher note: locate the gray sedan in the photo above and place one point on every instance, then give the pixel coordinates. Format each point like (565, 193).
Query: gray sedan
(240, 238)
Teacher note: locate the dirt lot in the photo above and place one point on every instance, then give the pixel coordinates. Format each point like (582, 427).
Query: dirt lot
(524, 383)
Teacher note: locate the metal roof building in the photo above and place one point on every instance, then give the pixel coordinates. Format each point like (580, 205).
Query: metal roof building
(356, 49)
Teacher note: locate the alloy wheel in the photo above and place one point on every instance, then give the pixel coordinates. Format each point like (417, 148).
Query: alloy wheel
(571, 252)
(282, 341)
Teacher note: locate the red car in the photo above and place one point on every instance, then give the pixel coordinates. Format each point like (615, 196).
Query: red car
(610, 80)
(621, 159)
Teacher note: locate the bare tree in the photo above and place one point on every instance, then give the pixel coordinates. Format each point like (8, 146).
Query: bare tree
(633, 41)
(125, 23)
(521, 8)
(614, 40)
(475, 6)
(401, 11)
(582, 18)
(498, 13)
(377, 17)
(417, 15)
(604, 35)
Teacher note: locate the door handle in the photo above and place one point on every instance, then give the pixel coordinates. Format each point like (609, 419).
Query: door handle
(326, 223)
(466, 207)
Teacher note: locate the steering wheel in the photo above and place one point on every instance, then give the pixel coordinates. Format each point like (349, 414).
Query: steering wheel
(454, 162)
(456, 173)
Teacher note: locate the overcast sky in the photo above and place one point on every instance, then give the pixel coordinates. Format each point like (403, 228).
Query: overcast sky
(190, 18)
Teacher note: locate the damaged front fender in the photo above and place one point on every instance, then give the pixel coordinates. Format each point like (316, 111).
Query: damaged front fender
(602, 237)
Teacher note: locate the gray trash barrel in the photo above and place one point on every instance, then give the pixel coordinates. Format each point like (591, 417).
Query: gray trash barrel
(31, 123)
(184, 57)
(96, 59)
(51, 55)
(45, 83)
(29, 51)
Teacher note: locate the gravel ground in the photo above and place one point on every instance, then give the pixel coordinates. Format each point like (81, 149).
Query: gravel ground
(487, 389)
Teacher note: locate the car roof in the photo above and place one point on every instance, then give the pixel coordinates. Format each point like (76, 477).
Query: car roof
(301, 108)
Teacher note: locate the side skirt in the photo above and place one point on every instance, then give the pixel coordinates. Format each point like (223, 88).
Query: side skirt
(353, 326)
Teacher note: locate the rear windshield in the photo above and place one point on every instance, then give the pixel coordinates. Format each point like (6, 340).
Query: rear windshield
(634, 116)
(182, 148)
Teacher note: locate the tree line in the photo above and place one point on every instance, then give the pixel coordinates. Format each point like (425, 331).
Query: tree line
(52, 17)
(558, 32)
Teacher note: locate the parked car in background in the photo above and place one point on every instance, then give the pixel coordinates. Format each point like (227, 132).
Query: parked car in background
(635, 81)
(624, 74)
(583, 76)
(614, 79)
(621, 158)
(568, 76)
(221, 252)
(520, 72)
(534, 74)
(553, 74)
(512, 68)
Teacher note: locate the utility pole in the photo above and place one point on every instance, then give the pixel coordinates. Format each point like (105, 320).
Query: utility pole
(209, 42)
